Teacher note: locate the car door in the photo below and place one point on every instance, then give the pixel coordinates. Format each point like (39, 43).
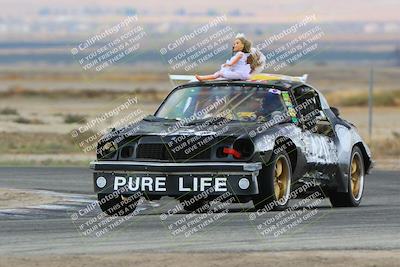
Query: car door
(317, 132)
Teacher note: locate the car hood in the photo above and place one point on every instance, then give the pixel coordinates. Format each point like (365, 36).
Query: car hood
(169, 129)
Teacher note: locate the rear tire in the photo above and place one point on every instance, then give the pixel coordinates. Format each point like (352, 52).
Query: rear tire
(356, 174)
(274, 183)
(117, 205)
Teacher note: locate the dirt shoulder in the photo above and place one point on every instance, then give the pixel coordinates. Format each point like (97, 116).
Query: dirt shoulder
(276, 259)
(12, 198)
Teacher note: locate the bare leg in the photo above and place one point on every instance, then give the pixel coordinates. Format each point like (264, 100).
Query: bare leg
(206, 77)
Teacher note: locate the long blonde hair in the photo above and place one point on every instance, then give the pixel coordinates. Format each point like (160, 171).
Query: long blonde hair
(256, 59)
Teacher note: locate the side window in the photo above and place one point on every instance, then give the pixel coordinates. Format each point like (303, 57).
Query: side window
(308, 106)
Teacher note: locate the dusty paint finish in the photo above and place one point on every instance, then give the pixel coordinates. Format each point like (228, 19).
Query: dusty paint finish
(314, 152)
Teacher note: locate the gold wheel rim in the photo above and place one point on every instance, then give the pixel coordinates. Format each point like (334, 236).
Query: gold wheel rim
(281, 179)
(356, 175)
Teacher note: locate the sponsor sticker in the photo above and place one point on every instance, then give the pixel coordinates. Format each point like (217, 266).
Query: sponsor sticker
(274, 91)
(289, 105)
(285, 96)
(158, 184)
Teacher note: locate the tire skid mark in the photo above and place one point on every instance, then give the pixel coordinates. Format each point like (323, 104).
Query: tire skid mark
(69, 203)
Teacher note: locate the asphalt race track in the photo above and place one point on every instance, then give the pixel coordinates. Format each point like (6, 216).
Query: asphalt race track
(59, 228)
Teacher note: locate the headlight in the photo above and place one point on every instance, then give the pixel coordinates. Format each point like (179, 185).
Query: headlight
(107, 150)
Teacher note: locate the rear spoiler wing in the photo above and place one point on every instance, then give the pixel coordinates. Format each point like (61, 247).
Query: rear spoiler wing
(254, 77)
(190, 78)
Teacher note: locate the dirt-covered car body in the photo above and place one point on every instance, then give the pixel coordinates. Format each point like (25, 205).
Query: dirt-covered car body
(171, 155)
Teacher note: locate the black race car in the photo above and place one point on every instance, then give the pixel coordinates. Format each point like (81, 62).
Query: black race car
(259, 140)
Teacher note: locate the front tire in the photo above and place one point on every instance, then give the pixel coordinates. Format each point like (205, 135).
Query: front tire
(356, 174)
(274, 183)
(117, 205)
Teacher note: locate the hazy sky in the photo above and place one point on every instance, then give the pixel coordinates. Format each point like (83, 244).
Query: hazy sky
(270, 11)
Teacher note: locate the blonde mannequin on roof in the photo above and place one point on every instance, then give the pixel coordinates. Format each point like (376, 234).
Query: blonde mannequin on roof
(246, 60)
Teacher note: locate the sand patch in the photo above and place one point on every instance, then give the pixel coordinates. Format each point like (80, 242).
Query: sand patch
(13, 198)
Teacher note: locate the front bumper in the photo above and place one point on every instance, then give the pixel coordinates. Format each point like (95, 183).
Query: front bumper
(176, 179)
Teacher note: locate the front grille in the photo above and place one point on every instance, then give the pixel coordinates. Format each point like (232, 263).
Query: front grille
(160, 152)
(151, 151)
(200, 153)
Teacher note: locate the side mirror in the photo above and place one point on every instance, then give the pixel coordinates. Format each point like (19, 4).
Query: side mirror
(335, 111)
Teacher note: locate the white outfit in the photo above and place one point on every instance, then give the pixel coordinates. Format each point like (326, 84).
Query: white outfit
(241, 70)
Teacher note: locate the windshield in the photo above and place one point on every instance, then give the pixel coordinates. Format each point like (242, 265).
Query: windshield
(243, 103)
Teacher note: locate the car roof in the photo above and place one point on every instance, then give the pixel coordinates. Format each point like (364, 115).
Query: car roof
(282, 82)
(279, 84)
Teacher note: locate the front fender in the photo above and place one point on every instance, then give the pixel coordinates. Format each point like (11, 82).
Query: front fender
(347, 138)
